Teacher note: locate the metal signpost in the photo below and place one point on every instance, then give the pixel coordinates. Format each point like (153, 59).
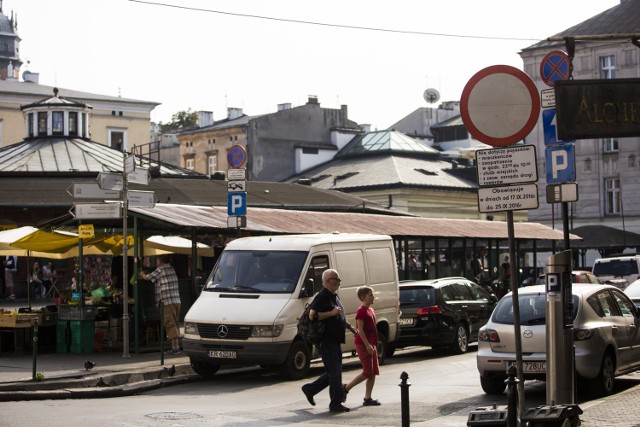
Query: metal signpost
(237, 188)
(500, 105)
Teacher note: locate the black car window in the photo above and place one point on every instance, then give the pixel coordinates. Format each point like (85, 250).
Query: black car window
(462, 293)
(477, 292)
(625, 306)
(447, 293)
(418, 296)
(603, 304)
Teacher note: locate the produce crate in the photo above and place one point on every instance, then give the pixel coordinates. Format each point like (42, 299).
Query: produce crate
(15, 321)
(75, 336)
(75, 312)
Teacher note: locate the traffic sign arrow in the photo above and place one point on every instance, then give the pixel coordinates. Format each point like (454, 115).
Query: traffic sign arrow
(96, 210)
(139, 176)
(141, 199)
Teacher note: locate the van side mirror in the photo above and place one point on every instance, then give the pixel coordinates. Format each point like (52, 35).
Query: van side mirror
(307, 288)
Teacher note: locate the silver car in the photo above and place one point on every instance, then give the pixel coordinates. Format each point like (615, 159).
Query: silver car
(606, 337)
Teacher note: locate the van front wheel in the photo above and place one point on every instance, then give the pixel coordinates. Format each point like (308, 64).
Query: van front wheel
(296, 366)
(204, 369)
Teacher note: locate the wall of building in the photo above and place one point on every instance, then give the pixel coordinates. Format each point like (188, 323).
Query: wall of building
(593, 165)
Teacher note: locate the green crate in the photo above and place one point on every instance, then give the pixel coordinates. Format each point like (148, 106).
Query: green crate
(81, 334)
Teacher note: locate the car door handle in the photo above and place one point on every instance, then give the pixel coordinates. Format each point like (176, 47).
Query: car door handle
(614, 330)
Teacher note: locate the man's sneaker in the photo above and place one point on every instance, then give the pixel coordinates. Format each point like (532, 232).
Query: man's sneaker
(12, 297)
(371, 402)
(170, 351)
(339, 408)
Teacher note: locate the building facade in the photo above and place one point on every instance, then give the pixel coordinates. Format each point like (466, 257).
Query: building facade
(607, 169)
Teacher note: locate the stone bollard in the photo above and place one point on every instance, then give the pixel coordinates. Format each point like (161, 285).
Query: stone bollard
(512, 396)
(404, 398)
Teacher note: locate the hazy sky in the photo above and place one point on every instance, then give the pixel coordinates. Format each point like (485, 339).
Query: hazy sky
(204, 55)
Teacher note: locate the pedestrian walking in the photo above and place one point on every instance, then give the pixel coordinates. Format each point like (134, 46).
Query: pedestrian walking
(366, 342)
(326, 307)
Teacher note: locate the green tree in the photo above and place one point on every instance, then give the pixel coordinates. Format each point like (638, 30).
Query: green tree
(182, 119)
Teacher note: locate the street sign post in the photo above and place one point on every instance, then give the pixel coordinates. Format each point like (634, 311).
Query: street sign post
(550, 127)
(236, 204)
(141, 199)
(236, 156)
(508, 198)
(566, 192)
(236, 186)
(129, 163)
(509, 165)
(86, 231)
(554, 66)
(239, 174)
(561, 163)
(139, 176)
(96, 210)
(500, 105)
(92, 191)
(110, 181)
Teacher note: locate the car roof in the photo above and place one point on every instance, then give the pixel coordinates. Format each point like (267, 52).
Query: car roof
(576, 289)
(435, 283)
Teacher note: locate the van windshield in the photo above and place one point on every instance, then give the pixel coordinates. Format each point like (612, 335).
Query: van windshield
(256, 272)
(616, 268)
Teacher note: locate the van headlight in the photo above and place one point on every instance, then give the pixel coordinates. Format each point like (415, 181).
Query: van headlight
(267, 331)
(191, 328)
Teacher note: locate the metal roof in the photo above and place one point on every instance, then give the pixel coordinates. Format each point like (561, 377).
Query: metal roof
(384, 141)
(70, 155)
(278, 221)
(621, 19)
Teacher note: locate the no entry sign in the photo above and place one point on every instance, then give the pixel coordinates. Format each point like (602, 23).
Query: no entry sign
(500, 105)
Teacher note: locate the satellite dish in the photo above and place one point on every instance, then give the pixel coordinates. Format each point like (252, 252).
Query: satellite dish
(431, 95)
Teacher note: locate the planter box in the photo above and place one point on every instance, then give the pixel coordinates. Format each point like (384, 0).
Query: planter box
(15, 321)
(74, 312)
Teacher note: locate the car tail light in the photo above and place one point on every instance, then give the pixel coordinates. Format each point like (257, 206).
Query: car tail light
(433, 309)
(488, 335)
(582, 334)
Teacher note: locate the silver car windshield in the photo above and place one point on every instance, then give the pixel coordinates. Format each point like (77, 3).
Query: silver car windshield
(256, 272)
(533, 309)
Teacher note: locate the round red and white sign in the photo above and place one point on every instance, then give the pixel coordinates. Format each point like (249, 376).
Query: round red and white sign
(500, 105)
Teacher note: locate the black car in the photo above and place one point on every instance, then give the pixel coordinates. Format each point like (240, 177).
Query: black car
(441, 313)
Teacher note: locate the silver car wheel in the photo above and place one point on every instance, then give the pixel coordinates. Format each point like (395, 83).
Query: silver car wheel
(461, 344)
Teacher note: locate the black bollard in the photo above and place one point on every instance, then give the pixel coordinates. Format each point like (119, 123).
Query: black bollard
(404, 398)
(512, 396)
(35, 350)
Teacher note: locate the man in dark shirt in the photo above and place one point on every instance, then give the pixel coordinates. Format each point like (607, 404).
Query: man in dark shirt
(326, 307)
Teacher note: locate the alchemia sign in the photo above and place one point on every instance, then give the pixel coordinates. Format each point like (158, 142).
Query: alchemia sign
(597, 108)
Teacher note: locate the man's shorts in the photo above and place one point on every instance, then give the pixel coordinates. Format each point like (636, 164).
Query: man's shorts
(171, 313)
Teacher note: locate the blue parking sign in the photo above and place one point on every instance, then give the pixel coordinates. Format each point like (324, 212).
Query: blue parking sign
(237, 204)
(561, 163)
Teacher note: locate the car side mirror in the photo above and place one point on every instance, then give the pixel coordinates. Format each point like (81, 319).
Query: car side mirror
(307, 288)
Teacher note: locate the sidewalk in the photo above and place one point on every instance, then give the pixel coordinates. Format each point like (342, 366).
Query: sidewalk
(113, 375)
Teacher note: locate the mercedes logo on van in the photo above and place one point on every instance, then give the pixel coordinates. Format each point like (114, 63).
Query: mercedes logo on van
(528, 333)
(223, 331)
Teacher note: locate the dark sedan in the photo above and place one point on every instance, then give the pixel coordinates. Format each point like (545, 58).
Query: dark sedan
(442, 313)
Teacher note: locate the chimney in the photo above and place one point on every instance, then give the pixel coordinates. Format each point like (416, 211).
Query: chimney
(205, 118)
(313, 99)
(365, 127)
(233, 113)
(286, 106)
(28, 76)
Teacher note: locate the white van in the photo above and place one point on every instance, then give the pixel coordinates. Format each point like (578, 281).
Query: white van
(248, 310)
(618, 271)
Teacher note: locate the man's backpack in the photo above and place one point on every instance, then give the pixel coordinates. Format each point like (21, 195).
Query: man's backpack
(310, 330)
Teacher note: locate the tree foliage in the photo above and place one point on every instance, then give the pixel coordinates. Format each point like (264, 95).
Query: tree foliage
(181, 119)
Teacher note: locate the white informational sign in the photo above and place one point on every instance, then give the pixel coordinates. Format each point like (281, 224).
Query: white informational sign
(141, 199)
(92, 191)
(239, 174)
(97, 210)
(110, 181)
(548, 98)
(139, 176)
(233, 186)
(508, 198)
(130, 164)
(509, 165)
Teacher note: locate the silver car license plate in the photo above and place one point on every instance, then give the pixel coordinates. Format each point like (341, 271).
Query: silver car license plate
(223, 354)
(531, 367)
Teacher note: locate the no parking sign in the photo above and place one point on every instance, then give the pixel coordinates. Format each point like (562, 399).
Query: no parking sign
(554, 66)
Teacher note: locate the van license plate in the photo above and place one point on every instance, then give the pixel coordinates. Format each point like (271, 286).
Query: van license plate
(531, 367)
(219, 354)
(406, 321)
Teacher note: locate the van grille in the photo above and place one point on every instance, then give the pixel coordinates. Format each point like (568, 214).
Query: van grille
(223, 331)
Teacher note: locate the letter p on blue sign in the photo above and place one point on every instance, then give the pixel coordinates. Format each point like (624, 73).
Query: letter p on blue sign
(237, 204)
(561, 163)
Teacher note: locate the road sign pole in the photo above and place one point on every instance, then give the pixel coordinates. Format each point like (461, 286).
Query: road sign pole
(125, 270)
